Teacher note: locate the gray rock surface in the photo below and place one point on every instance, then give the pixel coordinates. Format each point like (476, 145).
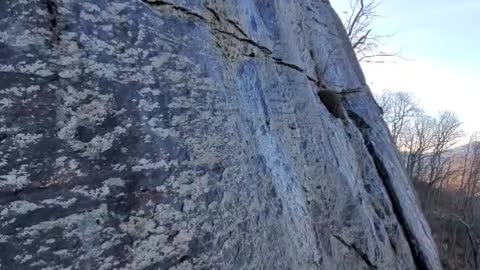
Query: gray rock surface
(189, 135)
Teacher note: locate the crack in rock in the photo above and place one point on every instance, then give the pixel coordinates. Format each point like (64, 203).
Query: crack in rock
(52, 9)
(268, 52)
(235, 24)
(247, 40)
(417, 255)
(293, 66)
(214, 13)
(357, 251)
(184, 10)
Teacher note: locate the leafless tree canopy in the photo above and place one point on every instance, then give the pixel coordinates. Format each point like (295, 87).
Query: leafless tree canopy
(399, 109)
(445, 173)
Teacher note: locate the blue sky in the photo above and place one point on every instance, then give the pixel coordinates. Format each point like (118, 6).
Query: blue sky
(441, 40)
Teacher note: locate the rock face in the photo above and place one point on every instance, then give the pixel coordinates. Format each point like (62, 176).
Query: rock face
(190, 135)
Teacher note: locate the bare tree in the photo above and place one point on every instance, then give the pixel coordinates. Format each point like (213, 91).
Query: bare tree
(446, 134)
(440, 167)
(469, 182)
(472, 239)
(399, 108)
(358, 23)
(448, 175)
(418, 142)
(466, 202)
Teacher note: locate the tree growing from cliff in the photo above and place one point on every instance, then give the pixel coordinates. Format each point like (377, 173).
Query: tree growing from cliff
(358, 24)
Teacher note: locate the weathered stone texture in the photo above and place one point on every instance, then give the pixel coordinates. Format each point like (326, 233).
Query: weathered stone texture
(189, 135)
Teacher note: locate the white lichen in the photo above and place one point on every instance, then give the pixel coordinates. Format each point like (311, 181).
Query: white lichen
(19, 207)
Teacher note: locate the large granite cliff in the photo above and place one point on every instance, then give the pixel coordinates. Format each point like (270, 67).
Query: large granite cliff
(188, 134)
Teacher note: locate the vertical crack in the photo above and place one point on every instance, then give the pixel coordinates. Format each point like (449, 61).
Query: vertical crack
(418, 256)
(52, 10)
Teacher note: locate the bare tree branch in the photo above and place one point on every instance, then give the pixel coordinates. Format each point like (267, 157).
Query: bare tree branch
(358, 24)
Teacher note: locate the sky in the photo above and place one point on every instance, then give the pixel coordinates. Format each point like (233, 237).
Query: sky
(440, 40)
